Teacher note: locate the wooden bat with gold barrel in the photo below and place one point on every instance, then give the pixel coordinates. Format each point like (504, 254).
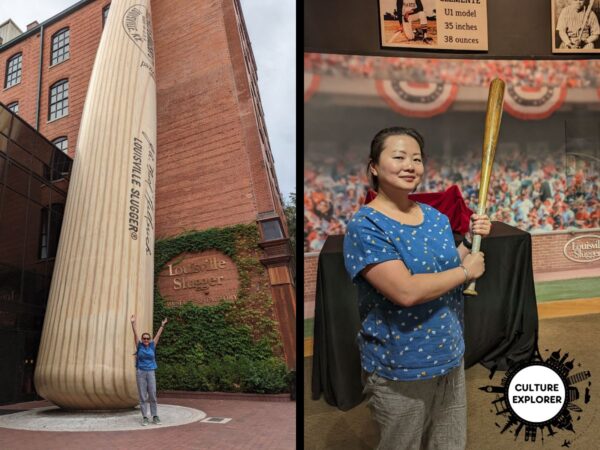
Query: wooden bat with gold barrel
(490, 139)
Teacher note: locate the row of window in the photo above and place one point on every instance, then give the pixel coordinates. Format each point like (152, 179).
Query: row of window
(59, 53)
(58, 105)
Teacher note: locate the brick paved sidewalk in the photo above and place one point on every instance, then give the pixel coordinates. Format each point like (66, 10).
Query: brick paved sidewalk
(254, 425)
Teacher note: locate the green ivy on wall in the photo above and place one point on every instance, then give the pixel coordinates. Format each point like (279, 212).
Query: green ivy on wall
(230, 347)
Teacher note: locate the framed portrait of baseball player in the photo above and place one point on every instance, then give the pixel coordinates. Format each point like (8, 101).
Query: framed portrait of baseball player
(434, 24)
(575, 26)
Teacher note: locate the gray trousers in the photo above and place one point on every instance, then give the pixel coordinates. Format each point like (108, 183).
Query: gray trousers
(146, 383)
(425, 414)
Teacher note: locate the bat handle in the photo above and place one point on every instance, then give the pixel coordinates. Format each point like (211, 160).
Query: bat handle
(470, 290)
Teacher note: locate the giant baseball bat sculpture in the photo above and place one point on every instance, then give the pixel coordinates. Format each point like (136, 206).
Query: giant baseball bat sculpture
(104, 265)
(490, 139)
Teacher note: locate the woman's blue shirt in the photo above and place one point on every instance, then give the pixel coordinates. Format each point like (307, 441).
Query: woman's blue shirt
(419, 342)
(146, 357)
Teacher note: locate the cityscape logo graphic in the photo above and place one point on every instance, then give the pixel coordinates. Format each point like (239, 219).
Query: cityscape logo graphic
(541, 398)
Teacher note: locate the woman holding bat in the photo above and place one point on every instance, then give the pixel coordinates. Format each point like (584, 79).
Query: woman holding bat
(409, 274)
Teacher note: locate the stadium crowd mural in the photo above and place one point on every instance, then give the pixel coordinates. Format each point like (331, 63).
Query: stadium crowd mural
(551, 192)
(556, 190)
(529, 73)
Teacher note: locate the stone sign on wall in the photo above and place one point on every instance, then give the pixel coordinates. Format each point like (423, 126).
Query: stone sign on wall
(204, 278)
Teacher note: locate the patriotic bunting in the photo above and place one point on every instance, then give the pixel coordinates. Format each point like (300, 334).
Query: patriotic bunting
(311, 84)
(417, 99)
(533, 103)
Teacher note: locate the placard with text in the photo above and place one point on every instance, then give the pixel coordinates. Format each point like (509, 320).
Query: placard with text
(434, 24)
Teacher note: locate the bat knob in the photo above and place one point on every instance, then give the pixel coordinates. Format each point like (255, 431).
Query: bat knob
(470, 292)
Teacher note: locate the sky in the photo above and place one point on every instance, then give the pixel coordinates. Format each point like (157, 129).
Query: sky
(271, 25)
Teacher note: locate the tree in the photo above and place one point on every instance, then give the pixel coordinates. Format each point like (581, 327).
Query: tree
(290, 217)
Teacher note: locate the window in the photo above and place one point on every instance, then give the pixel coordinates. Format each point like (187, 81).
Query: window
(105, 14)
(61, 164)
(43, 252)
(50, 230)
(62, 143)
(59, 100)
(13, 70)
(60, 46)
(271, 230)
(14, 107)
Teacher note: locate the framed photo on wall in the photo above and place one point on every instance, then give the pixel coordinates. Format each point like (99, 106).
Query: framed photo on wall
(434, 24)
(575, 26)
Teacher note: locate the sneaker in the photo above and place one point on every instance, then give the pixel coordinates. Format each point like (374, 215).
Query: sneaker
(155, 420)
(145, 421)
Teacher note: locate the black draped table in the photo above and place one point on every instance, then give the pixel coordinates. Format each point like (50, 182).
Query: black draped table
(501, 323)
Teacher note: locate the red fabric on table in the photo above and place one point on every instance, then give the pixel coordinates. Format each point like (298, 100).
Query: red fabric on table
(450, 202)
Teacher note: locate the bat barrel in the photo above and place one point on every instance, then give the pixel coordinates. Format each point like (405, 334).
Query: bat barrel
(490, 139)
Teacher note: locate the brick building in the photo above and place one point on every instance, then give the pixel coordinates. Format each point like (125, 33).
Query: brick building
(214, 163)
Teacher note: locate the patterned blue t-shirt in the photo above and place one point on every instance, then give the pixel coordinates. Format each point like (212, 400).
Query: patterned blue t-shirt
(420, 342)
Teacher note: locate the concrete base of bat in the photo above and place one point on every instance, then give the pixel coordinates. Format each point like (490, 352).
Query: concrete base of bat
(53, 418)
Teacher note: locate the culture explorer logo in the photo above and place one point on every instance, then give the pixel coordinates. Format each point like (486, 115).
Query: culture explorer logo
(542, 397)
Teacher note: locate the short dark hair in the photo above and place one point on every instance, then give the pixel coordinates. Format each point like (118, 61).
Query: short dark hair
(377, 147)
(146, 334)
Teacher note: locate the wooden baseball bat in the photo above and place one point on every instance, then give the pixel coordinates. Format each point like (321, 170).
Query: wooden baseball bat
(586, 18)
(490, 139)
(105, 261)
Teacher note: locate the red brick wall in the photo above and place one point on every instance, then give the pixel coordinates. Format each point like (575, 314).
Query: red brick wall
(203, 165)
(256, 156)
(26, 91)
(85, 28)
(310, 277)
(212, 168)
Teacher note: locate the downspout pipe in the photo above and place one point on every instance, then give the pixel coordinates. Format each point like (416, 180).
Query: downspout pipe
(39, 94)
